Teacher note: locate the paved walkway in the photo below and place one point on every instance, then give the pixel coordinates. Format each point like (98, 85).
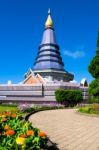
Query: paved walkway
(67, 128)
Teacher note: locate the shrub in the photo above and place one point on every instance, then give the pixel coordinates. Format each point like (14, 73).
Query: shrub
(96, 106)
(86, 110)
(68, 97)
(90, 99)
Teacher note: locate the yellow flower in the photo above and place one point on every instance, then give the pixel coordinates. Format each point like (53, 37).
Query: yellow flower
(20, 140)
(3, 116)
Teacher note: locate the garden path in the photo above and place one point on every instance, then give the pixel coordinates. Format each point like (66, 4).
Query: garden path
(68, 129)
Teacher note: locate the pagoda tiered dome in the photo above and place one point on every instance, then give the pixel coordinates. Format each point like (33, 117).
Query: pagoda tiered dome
(48, 56)
(48, 62)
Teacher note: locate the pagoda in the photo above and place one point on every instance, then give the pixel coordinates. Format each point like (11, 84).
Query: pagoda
(48, 63)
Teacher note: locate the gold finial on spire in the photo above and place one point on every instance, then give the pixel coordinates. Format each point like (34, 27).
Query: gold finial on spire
(49, 22)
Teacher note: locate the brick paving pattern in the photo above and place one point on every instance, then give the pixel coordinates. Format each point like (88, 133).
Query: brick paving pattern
(68, 129)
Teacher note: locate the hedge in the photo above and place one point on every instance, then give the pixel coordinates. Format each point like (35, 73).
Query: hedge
(68, 97)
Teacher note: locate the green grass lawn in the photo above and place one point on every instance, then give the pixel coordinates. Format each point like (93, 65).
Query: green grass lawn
(91, 109)
(11, 108)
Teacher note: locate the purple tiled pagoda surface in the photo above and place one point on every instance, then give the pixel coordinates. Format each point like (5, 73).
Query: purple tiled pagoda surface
(48, 53)
(48, 65)
(47, 58)
(48, 37)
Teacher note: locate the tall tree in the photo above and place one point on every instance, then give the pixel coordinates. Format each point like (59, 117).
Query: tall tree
(97, 50)
(94, 70)
(94, 64)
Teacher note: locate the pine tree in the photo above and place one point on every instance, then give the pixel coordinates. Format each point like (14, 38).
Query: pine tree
(97, 50)
(94, 70)
(94, 64)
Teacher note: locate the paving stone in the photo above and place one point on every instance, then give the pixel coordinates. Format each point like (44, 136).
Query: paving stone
(68, 129)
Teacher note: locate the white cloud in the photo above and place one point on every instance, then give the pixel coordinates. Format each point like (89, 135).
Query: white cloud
(73, 81)
(75, 54)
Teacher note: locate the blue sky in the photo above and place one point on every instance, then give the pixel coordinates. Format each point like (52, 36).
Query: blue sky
(76, 23)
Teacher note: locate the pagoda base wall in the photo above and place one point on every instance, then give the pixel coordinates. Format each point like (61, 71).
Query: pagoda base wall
(35, 93)
(52, 75)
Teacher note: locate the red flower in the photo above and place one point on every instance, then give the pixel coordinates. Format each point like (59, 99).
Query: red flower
(42, 134)
(30, 132)
(23, 135)
(13, 115)
(4, 119)
(7, 114)
(9, 132)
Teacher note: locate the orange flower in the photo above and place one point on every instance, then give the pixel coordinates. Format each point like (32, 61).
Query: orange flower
(7, 114)
(42, 134)
(6, 127)
(13, 115)
(23, 135)
(9, 132)
(3, 113)
(4, 119)
(30, 132)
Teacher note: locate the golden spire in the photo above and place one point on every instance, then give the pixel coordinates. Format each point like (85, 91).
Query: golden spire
(49, 22)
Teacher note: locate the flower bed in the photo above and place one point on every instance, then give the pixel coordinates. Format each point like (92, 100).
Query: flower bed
(18, 134)
(28, 108)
